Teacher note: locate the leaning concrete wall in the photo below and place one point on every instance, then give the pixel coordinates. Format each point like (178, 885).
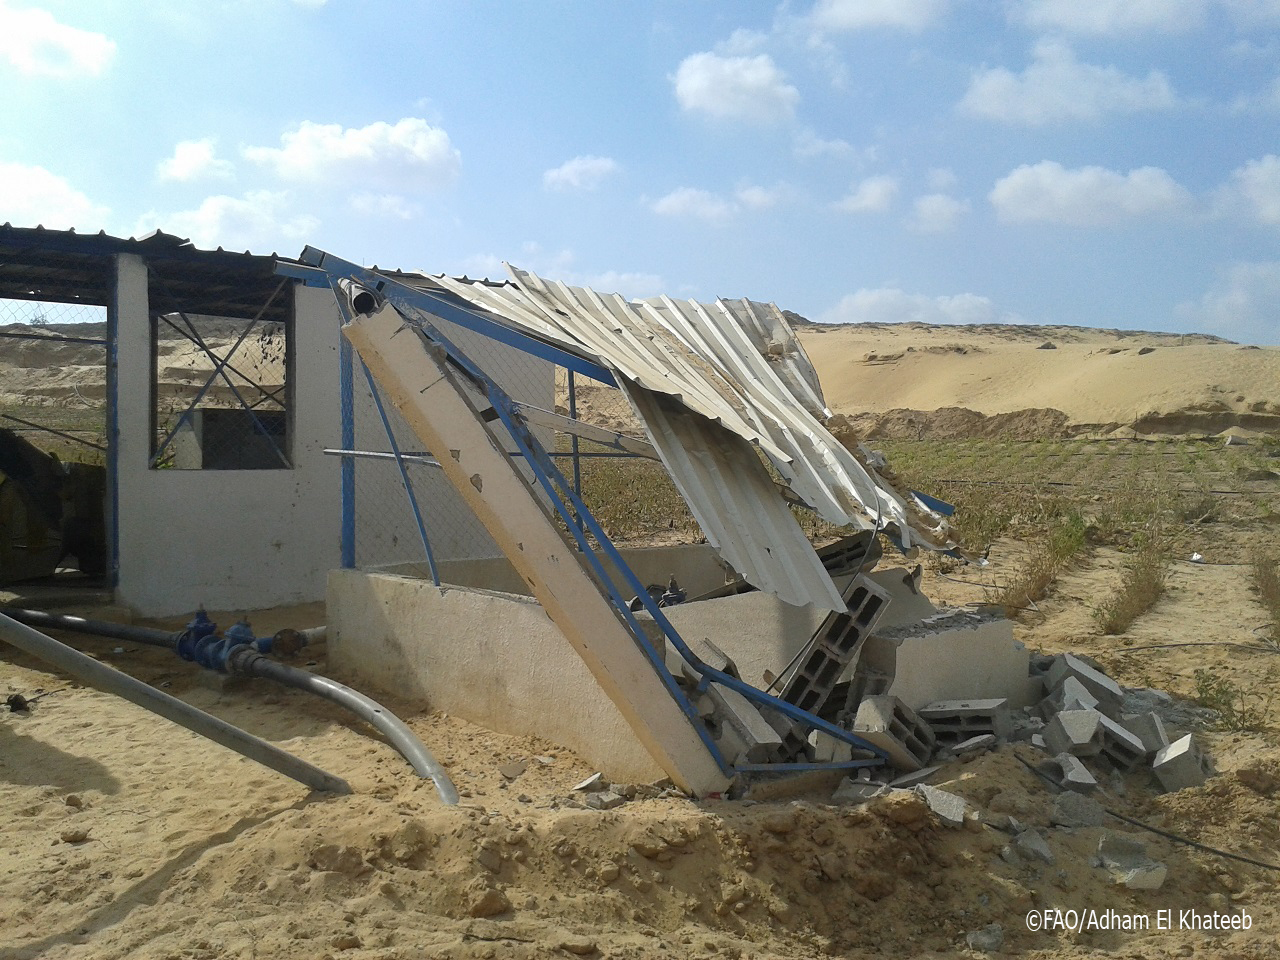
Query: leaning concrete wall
(495, 659)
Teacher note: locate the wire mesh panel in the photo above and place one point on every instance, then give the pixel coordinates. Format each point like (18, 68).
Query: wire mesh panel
(53, 438)
(386, 531)
(221, 393)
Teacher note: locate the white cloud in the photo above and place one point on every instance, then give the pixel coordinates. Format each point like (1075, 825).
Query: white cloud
(1243, 304)
(1253, 192)
(193, 160)
(692, 202)
(581, 173)
(1090, 196)
(36, 43)
(808, 144)
(941, 179)
(259, 221)
(891, 305)
(758, 198)
(752, 89)
(407, 155)
(872, 195)
(937, 213)
(835, 16)
(633, 286)
(31, 196)
(1056, 86)
(390, 206)
(1109, 17)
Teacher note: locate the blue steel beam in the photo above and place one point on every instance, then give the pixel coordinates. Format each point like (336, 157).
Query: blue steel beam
(402, 295)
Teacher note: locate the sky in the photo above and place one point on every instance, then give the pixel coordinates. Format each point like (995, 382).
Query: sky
(1111, 163)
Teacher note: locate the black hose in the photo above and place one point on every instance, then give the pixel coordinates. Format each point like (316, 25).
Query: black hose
(246, 662)
(97, 628)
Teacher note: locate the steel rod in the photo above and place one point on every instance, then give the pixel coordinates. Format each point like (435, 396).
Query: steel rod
(122, 685)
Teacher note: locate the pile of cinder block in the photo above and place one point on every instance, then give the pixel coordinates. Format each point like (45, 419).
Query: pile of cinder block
(1085, 720)
(1081, 722)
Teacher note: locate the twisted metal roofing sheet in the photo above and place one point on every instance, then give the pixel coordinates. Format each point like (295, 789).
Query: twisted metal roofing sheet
(738, 365)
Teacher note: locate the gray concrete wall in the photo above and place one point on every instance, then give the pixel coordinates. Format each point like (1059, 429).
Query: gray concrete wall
(227, 538)
(495, 659)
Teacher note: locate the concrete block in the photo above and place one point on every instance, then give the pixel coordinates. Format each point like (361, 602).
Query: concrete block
(1149, 728)
(956, 720)
(1070, 772)
(1037, 741)
(1071, 694)
(1149, 876)
(1182, 764)
(1127, 862)
(738, 717)
(888, 723)
(947, 807)
(1077, 732)
(1103, 688)
(1120, 746)
(827, 749)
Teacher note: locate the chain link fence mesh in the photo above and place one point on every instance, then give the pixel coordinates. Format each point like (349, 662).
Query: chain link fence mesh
(386, 533)
(53, 390)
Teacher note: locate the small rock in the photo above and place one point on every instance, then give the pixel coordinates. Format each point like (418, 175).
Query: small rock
(781, 822)
(345, 941)
(73, 800)
(605, 800)
(490, 858)
(947, 807)
(1031, 844)
(489, 903)
(1150, 876)
(74, 835)
(608, 871)
(578, 945)
(832, 866)
(987, 940)
(513, 769)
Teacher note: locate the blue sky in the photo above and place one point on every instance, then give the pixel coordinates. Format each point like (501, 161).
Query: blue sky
(1102, 162)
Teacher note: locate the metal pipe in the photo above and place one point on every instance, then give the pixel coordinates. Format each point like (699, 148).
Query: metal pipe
(97, 628)
(246, 662)
(112, 681)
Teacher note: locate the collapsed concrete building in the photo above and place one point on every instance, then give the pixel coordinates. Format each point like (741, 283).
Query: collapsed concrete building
(780, 658)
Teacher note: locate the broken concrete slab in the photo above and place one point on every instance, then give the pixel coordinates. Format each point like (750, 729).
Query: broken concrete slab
(594, 782)
(975, 745)
(988, 939)
(1075, 810)
(1182, 764)
(889, 724)
(1107, 692)
(956, 720)
(747, 733)
(947, 807)
(827, 749)
(1030, 843)
(604, 800)
(857, 791)
(914, 778)
(1149, 728)
(1070, 773)
(1127, 862)
(1071, 694)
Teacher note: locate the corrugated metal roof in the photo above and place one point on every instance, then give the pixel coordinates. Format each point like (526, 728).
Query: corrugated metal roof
(739, 366)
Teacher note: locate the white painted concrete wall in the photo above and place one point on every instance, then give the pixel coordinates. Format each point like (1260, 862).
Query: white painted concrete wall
(234, 539)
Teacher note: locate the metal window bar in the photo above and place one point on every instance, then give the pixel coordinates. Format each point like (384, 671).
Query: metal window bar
(220, 370)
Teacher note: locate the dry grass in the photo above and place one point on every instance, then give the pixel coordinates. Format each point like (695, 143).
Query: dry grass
(1265, 578)
(1050, 555)
(1146, 572)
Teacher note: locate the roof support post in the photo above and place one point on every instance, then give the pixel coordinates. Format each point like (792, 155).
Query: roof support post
(434, 403)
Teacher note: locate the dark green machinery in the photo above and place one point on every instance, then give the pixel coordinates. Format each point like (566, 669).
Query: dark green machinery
(49, 511)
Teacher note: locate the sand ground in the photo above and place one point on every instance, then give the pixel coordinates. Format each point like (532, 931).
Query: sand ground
(124, 836)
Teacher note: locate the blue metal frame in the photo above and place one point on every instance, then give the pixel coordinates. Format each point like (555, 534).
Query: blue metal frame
(581, 524)
(445, 308)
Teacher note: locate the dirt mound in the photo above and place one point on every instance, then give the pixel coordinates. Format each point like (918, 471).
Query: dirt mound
(950, 423)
